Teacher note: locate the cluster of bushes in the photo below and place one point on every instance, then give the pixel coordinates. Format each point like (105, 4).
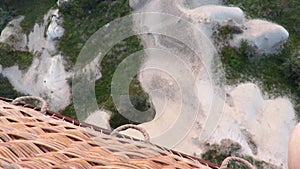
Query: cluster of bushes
(10, 57)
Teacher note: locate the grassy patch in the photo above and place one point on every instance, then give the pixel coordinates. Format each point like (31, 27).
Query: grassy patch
(84, 17)
(7, 90)
(81, 19)
(267, 70)
(103, 86)
(11, 57)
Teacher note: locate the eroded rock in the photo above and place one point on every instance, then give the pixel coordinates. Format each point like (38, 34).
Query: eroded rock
(55, 30)
(13, 34)
(265, 37)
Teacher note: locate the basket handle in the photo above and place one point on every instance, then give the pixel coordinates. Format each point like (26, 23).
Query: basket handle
(127, 126)
(227, 160)
(44, 103)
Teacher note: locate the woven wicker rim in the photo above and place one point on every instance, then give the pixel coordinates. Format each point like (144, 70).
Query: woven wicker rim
(112, 149)
(128, 126)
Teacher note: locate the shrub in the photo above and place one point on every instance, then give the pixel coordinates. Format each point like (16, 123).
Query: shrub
(10, 57)
(291, 69)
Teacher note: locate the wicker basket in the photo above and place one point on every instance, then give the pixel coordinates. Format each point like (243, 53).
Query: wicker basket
(31, 139)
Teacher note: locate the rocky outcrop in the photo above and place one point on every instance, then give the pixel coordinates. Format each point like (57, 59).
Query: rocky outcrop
(217, 14)
(262, 36)
(99, 118)
(61, 3)
(255, 122)
(13, 35)
(46, 77)
(265, 37)
(55, 29)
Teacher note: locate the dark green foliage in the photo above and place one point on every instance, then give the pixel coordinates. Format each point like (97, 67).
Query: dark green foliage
(217, 153)
(291, 70)
(102, 86)
(82, 18)
(10, 57)
(33, 10)
(7, 90)
(226, 32)
(246, 50)
(69, 111)
(267, 70)
(5, 16)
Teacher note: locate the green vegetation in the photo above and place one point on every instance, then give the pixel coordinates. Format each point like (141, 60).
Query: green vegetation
(291, 69)
(5, 16)
(9, 91)
(216, 153)
(225, 32)
(278, 74)
(103, 86)
(81, 19)
(33, 10)
(10, 57)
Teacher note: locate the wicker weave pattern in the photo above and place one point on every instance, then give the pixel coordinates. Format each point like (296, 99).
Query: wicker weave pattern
(30, 139)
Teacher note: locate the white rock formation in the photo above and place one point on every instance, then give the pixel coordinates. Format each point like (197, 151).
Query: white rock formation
(13, 34)
(217, 14)
(61, 2)
(265, 121)
(55, 30)
(99, 118)
(36, 39)
(46, 77)
(197, 3)
(266, 37)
